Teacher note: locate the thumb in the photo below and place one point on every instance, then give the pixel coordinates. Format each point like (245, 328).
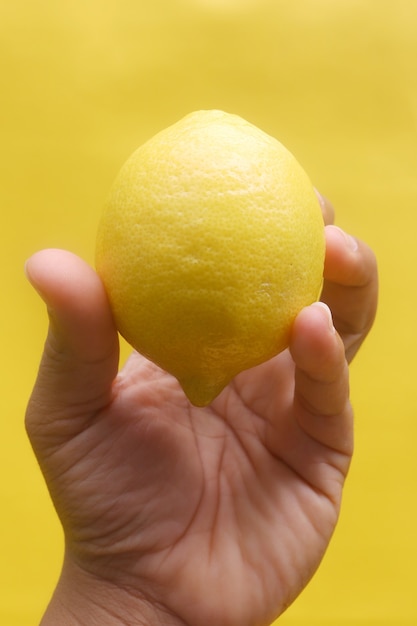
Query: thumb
(81, 352)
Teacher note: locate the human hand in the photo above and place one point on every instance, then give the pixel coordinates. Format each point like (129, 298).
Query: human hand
(181, 515)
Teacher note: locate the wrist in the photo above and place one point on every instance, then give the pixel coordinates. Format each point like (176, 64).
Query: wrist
(81, 598)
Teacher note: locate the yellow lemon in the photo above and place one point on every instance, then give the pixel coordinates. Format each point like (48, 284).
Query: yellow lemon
(211, 242)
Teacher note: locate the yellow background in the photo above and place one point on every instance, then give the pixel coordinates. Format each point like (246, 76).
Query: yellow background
(83, 83)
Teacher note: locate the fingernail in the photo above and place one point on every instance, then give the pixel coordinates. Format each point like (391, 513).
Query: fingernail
(350, 241)
(32, 281)
(320, 198)
(27, 273)
(329, 317)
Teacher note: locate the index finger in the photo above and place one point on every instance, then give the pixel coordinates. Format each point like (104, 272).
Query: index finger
(322, 380)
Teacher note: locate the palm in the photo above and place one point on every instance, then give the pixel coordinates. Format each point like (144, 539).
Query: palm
(233, 504)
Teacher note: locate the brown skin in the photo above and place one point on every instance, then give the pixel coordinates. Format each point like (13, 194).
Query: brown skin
(177, 515)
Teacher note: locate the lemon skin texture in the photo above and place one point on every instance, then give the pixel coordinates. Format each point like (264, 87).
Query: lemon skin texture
(211, 242)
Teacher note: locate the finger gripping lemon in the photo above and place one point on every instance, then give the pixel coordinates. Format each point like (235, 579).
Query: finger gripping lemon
(211, 242)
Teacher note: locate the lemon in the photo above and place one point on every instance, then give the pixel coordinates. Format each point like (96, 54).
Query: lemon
(211, 242)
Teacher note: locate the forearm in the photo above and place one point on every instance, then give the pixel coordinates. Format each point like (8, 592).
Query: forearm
(82, 600)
